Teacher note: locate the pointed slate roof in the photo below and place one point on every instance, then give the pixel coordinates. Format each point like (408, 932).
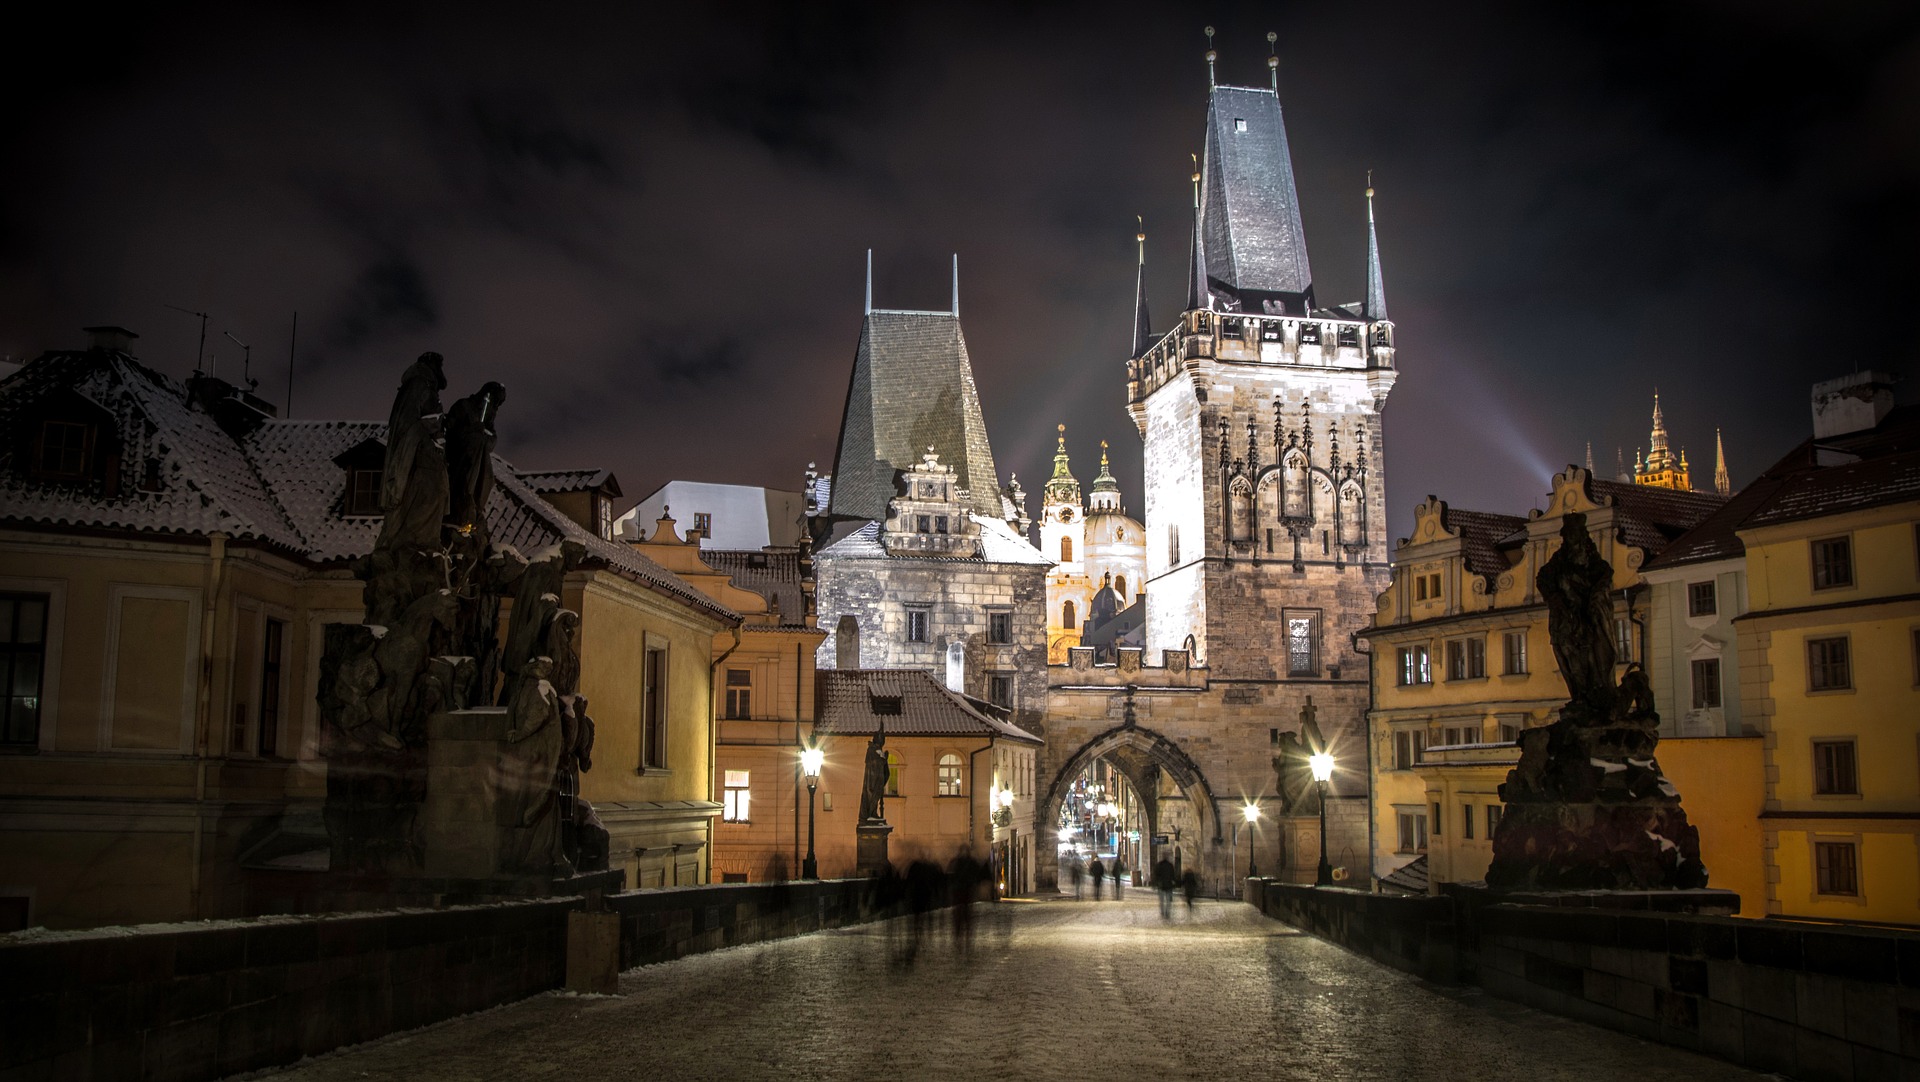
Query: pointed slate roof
(1376, 306)
(1142, 324)
(1250, 231)
(912, 388)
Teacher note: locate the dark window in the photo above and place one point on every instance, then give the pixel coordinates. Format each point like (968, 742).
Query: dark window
(1415, 666)
(703, 521)
(923, 523)
(1000, 689)
(1516, 648)
(1466, 821)
(1409, 748)
(939, 524)
(363, 492)
(1509, 734)
(1493, 818)
(1838, 866)
(1413, 832)
(1066, 550)
(653, 709)
(886, 705)
(1120, 586)
(917, 625)
(1706, 683)
(62, 450)
(23, 657)
(739, 693)
(1833, 767)
(1438, 821)
(999, 627)
(1832, 563)
(1828, 666)
(1066, 615)
(272, 650)
(1700, 599)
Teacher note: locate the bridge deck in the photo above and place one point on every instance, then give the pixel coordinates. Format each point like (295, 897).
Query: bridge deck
(1068, 990)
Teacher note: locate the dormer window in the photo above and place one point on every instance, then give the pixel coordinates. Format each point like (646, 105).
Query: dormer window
(61, 452)
(886, 705)
(363, 492)
(1239, 124)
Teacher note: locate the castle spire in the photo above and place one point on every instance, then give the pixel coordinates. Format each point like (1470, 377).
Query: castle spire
(1142, 326)
(1376, 306)
(1062, 488)
(1722, 482)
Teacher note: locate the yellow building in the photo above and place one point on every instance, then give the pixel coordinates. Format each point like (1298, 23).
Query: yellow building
(763, 697)
(1462, 662)
(171, 556)
(1830, 659)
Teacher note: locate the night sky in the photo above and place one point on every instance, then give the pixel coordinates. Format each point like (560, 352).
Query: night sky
(651, 227)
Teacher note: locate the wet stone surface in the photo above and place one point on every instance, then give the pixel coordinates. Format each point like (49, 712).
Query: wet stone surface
(1066, 990)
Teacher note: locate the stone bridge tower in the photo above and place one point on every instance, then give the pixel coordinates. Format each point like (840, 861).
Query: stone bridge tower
(1260, 413)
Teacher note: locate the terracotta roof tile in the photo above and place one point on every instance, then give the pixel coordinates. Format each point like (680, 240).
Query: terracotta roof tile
(927, 707)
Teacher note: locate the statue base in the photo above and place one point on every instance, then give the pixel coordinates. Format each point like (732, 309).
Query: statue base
(871, 856)
(490, 813)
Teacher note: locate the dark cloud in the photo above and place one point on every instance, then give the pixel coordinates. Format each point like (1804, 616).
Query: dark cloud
(649, 223)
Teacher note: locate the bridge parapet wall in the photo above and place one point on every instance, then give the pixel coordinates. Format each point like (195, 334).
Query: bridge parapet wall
(1810, 1001)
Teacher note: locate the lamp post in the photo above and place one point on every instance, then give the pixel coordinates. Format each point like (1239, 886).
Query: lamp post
(1322, 765)
(1252, 813)
(810, 759)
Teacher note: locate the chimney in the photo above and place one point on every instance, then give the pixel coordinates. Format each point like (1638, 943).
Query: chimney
(957, 667)
(110, 338)
(846, 644)
(1855, 403)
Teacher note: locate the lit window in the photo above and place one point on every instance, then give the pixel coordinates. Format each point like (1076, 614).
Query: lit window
(739, 797)
(1832, 563)
(1415, 666)
(1700, 599)
(1706, 683)
(947, 773)
(739, 693)
(1837, 867)
(1833, 768)
(1829, 667)
(1303, 642)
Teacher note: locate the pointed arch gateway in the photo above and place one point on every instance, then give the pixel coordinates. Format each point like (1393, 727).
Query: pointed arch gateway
(1129, 743)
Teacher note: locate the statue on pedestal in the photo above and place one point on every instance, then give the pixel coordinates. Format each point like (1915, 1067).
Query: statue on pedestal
(873, 788)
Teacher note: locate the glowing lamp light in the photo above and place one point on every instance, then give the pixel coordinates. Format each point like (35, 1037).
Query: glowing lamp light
(1321, 765)
(810, 761)
(1251, 812)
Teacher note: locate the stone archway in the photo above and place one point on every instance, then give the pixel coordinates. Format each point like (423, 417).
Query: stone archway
(1132, 749)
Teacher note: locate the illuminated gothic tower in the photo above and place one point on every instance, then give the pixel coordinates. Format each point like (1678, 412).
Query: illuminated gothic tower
(1661, 469)
(1261, 415)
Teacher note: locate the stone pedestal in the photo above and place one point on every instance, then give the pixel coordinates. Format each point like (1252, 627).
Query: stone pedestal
(872, 852)
(487, 813)
(593, 953)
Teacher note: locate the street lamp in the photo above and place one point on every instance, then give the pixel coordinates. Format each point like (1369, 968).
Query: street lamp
(1252, 813)
(810, 760)
(1322, 765)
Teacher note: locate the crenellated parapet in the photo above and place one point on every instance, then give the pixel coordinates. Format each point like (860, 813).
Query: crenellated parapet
(1315, 342)
(1176, 670)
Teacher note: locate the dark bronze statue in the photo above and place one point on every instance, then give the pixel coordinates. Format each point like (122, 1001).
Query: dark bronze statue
(470, 440)
(873, 788)
(1587, 808)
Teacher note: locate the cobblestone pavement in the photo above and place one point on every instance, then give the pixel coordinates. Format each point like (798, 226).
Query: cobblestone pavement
(1068, 990)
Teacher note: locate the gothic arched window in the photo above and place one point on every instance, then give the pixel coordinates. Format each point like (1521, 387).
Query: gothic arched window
(1066, 615)
(1120, 586)
(1352, 502)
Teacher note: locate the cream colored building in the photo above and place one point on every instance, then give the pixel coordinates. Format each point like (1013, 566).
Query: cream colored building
(1096, 548)
(172, 554)
(1462, 662)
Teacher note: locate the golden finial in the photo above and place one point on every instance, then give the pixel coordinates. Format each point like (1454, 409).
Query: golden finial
(1211, 57)
(1273, 60)
(1369, 184)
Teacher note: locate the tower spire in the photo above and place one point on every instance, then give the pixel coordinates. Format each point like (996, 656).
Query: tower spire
(1722, 482)
(869, 281)
(956, 284)
(1142, 326)
(1376, 307)
(1211, 57)
(1198, 295)
(1273, 61)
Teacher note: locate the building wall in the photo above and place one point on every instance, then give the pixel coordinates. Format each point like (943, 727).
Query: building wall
(959, 595)
(1879, 713)
(1675, 639)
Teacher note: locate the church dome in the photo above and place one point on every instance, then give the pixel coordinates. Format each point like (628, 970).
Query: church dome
(1106, 528)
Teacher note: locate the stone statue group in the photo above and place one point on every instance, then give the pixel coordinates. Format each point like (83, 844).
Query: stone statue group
(434, 583)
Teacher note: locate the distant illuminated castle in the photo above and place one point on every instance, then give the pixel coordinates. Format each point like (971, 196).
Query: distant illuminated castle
(1660, 468)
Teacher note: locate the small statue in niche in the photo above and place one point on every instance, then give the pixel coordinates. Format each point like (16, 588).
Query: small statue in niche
(873, 788)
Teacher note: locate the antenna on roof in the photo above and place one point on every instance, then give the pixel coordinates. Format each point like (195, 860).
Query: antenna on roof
(293, 336)
(1211, 57)
(246, 361)
(1273, 61)
(956, 284)
(203, 333)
